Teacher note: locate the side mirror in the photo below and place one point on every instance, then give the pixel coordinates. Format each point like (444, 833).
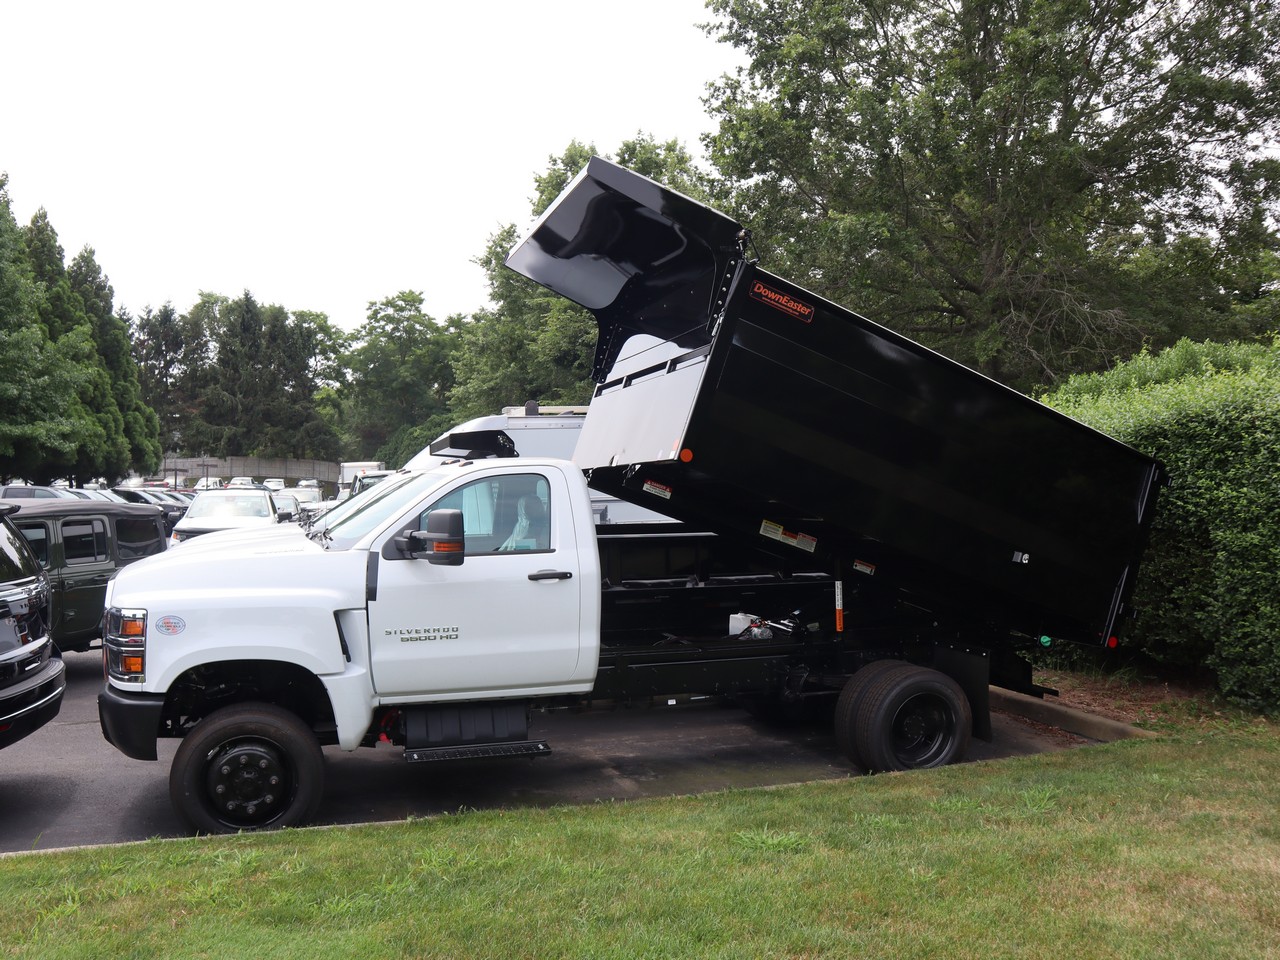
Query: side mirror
(441, 543)
(284, 515)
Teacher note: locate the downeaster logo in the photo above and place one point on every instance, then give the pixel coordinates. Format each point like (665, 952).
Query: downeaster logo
(781, 301)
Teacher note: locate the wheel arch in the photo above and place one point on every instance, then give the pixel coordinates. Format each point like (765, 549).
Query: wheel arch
(202, 689)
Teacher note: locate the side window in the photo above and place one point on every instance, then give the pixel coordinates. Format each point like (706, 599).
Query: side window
(137, 537)
(37, 537)
(84, 541)
(501, 514)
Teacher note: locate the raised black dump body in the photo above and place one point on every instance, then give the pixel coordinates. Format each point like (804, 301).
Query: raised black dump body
(735, 400)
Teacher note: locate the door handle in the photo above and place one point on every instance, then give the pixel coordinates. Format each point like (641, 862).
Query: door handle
(551, 575)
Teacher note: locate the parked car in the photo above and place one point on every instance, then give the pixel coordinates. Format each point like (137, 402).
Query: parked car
(311, 503)
(367, 479)
(241, 482)
(22, 491)
(273, 483)
(32, 675)
(173, 511)
(209, 483)
(287, 505)
(88, 493)
(81, 544)
(228, 509)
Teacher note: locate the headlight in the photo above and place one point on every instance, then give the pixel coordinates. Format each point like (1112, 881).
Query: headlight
(124, 644)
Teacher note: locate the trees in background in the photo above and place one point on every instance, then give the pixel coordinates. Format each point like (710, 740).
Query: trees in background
(235, 378)
(401, 368)
(1033, 186)
(70, 401)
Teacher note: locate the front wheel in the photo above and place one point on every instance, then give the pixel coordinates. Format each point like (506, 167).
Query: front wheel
(911, 718)
(251, 766)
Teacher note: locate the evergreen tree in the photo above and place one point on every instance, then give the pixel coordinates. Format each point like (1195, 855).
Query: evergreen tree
(40, 412)
(101, 447)
(141, 427)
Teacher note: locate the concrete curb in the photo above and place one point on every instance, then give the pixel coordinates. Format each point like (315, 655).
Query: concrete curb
(1069, 719)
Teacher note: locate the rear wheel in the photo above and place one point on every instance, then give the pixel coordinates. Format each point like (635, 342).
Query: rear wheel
(252, 766)
(911, 718)
(847, 704)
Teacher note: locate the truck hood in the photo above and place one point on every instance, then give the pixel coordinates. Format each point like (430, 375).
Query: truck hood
(237, 566)
(644, 259)
(222, 539)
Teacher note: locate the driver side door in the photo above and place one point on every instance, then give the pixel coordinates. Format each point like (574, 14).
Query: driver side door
(506, 621)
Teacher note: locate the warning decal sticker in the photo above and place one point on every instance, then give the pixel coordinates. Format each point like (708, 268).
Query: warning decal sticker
(775, 531)
(657, 489)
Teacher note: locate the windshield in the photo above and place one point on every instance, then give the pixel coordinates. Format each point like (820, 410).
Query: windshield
(244, 503)
(16, 562)
(353, 519)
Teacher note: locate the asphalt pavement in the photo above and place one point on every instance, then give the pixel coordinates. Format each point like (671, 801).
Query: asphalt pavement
(66, 786)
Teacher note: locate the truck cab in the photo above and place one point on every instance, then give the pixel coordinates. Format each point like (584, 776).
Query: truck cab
(367, 630)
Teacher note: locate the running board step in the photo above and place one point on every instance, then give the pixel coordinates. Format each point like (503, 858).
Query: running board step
(470, 751)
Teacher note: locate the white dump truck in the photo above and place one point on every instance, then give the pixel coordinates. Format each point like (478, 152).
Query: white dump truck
(861, 521)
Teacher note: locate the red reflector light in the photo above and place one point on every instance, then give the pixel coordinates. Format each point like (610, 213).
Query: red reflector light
(1113, 642)
(686, 455)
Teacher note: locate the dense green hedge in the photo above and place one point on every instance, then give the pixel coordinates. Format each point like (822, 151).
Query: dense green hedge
(1209, 593)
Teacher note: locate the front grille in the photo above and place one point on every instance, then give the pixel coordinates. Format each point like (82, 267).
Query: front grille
(12, 671)
(24, 634)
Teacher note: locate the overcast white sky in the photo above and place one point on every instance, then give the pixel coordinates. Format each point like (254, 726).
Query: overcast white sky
(322, 155)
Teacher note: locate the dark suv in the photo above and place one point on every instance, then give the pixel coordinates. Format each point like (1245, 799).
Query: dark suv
(32, 675)
(81, 544)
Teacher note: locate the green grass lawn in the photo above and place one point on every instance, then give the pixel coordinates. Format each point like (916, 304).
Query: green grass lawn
(1144, 848)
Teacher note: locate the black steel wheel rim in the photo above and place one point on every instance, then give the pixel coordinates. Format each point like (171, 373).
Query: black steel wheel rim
(924, 727)
(248, 783)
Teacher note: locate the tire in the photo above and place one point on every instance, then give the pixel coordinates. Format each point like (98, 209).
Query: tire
(848, 701)
(911, 718)
(251, 766)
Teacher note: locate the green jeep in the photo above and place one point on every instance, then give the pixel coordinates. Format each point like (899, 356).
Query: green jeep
(81, 544)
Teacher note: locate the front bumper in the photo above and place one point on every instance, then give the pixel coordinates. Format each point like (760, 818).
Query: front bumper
(28, 705)
(130, 721)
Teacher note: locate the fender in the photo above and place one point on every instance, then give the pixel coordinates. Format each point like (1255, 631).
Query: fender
(269, 599)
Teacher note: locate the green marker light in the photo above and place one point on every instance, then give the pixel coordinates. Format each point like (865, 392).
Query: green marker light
(1046, 641)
